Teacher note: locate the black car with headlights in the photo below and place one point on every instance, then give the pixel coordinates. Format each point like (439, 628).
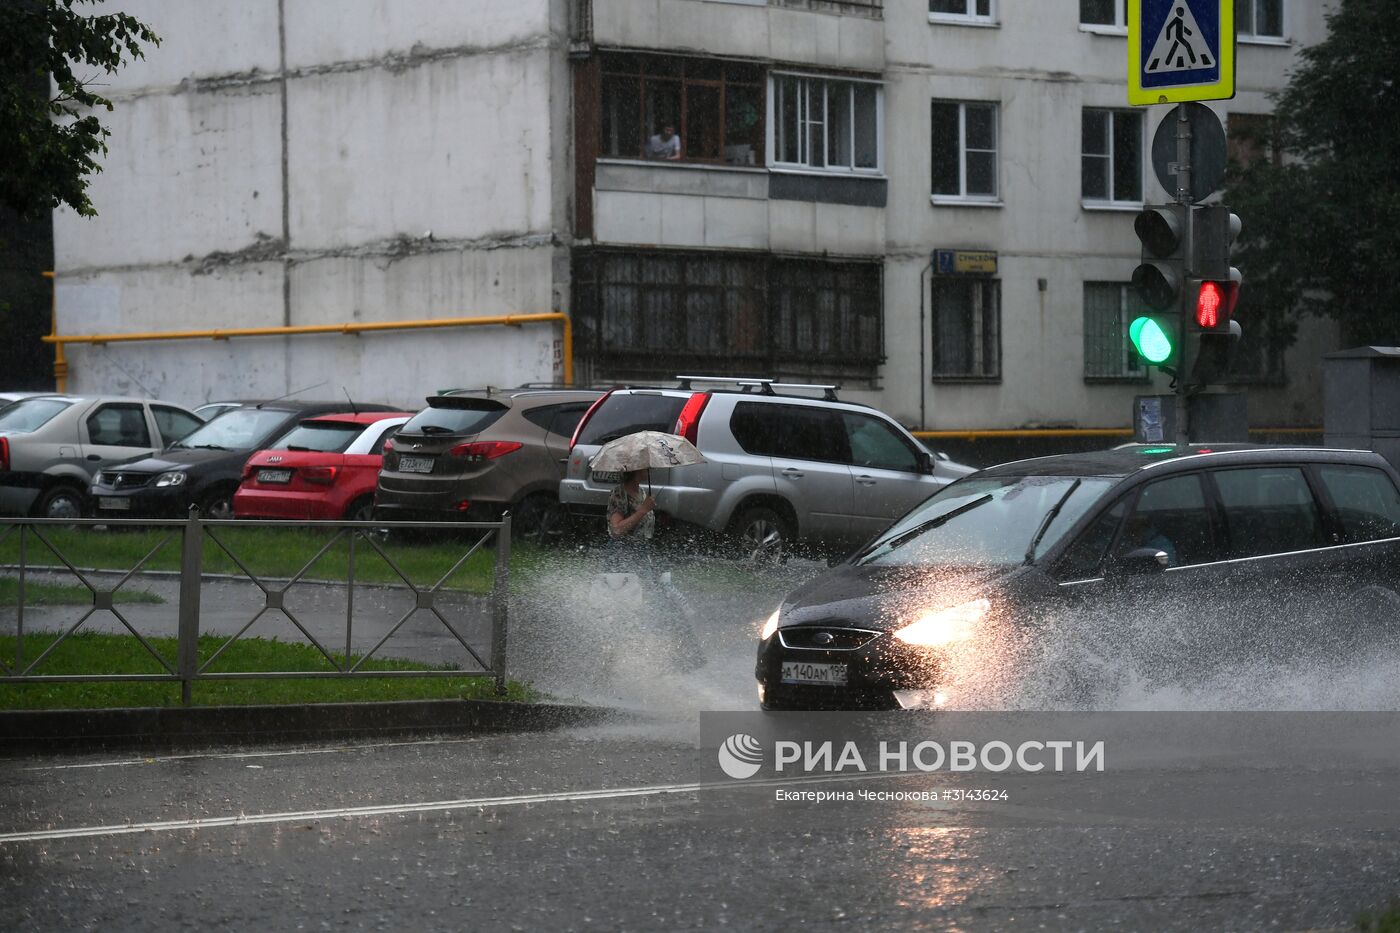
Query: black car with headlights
(203, 468)
(1218, 555)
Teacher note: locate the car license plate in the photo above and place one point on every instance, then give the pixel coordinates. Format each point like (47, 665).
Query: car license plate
(799, 672)
(604, 477)
(274, 476)
(416, 464)
(114, 504)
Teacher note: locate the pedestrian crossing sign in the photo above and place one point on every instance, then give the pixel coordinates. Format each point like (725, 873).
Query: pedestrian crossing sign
(1180, 50)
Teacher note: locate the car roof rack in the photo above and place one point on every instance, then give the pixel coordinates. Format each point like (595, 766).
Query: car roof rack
(764, 386)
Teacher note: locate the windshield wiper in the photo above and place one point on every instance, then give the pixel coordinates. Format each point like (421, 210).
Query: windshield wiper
(208, 447)
(436, 429)
(903, 538)
(1050, 517)
(295, 447)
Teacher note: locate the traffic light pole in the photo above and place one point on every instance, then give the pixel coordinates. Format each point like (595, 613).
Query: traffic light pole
(1183, 196)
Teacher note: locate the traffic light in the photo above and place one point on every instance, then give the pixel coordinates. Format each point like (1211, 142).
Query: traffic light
(1212, 332)
(1158, 283)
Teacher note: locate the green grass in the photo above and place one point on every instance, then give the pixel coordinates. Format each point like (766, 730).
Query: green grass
(1386, 921)
(51, 594)
(267, 552)
(96, 653)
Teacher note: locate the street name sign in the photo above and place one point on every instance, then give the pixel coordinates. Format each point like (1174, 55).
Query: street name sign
(1180, 50)
(964, 262)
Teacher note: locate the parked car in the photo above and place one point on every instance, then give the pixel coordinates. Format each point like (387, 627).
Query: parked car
(783, 467)
(324, 468)
(204, 468)
(8, 397)
(472, 454)
(211, 410)
(1220, 555)
(51, 446)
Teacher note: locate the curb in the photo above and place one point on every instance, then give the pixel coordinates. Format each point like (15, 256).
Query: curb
(186, 727)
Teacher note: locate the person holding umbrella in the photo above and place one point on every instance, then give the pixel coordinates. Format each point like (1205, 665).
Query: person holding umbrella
(631, 519)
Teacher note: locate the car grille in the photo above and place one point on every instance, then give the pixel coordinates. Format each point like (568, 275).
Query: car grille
(119, 480)
(826, 638)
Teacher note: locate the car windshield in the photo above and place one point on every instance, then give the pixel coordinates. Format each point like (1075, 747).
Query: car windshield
(30, 414)
(625, 414)
(987, 521)
(449, 415)
(331, 437)
(241, 429)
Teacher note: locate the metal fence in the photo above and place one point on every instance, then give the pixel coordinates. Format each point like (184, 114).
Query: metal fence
(192, 534)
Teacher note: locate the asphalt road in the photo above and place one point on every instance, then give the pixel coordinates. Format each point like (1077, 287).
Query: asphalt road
(632, 826)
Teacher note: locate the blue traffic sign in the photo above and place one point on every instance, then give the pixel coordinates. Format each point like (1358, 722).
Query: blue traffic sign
(1180, 50)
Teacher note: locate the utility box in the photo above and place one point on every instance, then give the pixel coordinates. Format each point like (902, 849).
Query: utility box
(1213, 418)
(1361, 400)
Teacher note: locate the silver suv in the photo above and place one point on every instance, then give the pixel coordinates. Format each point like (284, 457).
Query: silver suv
(51, 446)
(783, 467)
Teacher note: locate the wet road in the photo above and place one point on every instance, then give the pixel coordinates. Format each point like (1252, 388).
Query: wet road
(630, 827)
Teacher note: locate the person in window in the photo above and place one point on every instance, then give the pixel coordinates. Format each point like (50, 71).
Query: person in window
(631, 528)
(665, 145)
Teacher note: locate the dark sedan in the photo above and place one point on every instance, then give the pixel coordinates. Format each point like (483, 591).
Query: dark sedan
(204, 468)
(1195, 558)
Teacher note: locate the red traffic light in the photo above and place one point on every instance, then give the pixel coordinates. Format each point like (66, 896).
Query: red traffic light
(1209, 301)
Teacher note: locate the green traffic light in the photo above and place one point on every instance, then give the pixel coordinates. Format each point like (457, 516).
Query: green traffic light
(1151, 341)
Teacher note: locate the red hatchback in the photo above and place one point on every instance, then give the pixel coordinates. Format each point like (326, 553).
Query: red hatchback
(324, 468)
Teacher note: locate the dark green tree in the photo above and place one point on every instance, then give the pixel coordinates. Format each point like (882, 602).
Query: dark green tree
(51, 56)
(1322, 214)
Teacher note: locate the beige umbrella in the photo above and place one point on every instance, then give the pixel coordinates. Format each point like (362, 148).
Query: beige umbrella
(645, 450)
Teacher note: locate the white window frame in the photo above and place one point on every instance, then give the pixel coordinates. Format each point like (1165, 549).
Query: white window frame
(1252, 37)
(808, 80)
(1109, 204)
(962, 197)
(970, 18)
(1119, 27)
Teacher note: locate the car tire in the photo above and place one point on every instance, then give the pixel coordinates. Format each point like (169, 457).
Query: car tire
(217, 505)
(60, 501)
(538, 519)
(761, 535)
(361, 510)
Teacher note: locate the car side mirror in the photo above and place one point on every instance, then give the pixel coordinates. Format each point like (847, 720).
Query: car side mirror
(928, 463)
(1142, 562)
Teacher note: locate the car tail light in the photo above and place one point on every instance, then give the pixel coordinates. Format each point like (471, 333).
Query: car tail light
(323, 475)
(484, 450)
(464, 505)
(389, 445)
(586, 415)
(247, 472)
(688, 422)
(4, 453)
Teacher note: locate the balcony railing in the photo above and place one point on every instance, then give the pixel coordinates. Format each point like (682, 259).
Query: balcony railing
(874, 9)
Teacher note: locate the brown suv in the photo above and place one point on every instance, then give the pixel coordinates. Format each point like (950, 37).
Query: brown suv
(473, 453)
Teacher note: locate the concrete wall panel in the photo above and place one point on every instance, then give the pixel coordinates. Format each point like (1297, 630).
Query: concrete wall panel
(204, 39)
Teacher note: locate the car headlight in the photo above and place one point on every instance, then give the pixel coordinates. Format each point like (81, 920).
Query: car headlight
(173, 478)
(770, 626)
(945, 626)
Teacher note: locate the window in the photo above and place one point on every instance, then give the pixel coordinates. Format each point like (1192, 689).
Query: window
(448, 414)
(1108, 353)
(793, 432)
(961, 11)
(377, 449)
(1083, 558)
(714, 109)
(966, 328)
(1171, 515)
(652, 314)
(327, 437)
(876, 445)
(30, 414)
(1259, 19)
(629, 412)
(1366, 501)
(964, 150)
(119, 426)
(1268, 511)
(826, 124)
(173, 423)
(558, 419)
(1112, 161)
(1112, 13)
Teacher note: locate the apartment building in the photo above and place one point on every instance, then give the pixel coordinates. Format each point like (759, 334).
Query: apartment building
(929, 202)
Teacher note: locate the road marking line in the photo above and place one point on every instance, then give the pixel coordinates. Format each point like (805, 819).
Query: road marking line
(124, 763)
(431, 806)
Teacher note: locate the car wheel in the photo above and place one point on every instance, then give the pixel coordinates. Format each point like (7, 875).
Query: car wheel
(762, 535)
(538, 519)
(60, 502)
(217, 506)
(361, 510)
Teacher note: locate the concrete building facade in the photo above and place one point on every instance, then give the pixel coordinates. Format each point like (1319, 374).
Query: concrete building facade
(275, 165)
